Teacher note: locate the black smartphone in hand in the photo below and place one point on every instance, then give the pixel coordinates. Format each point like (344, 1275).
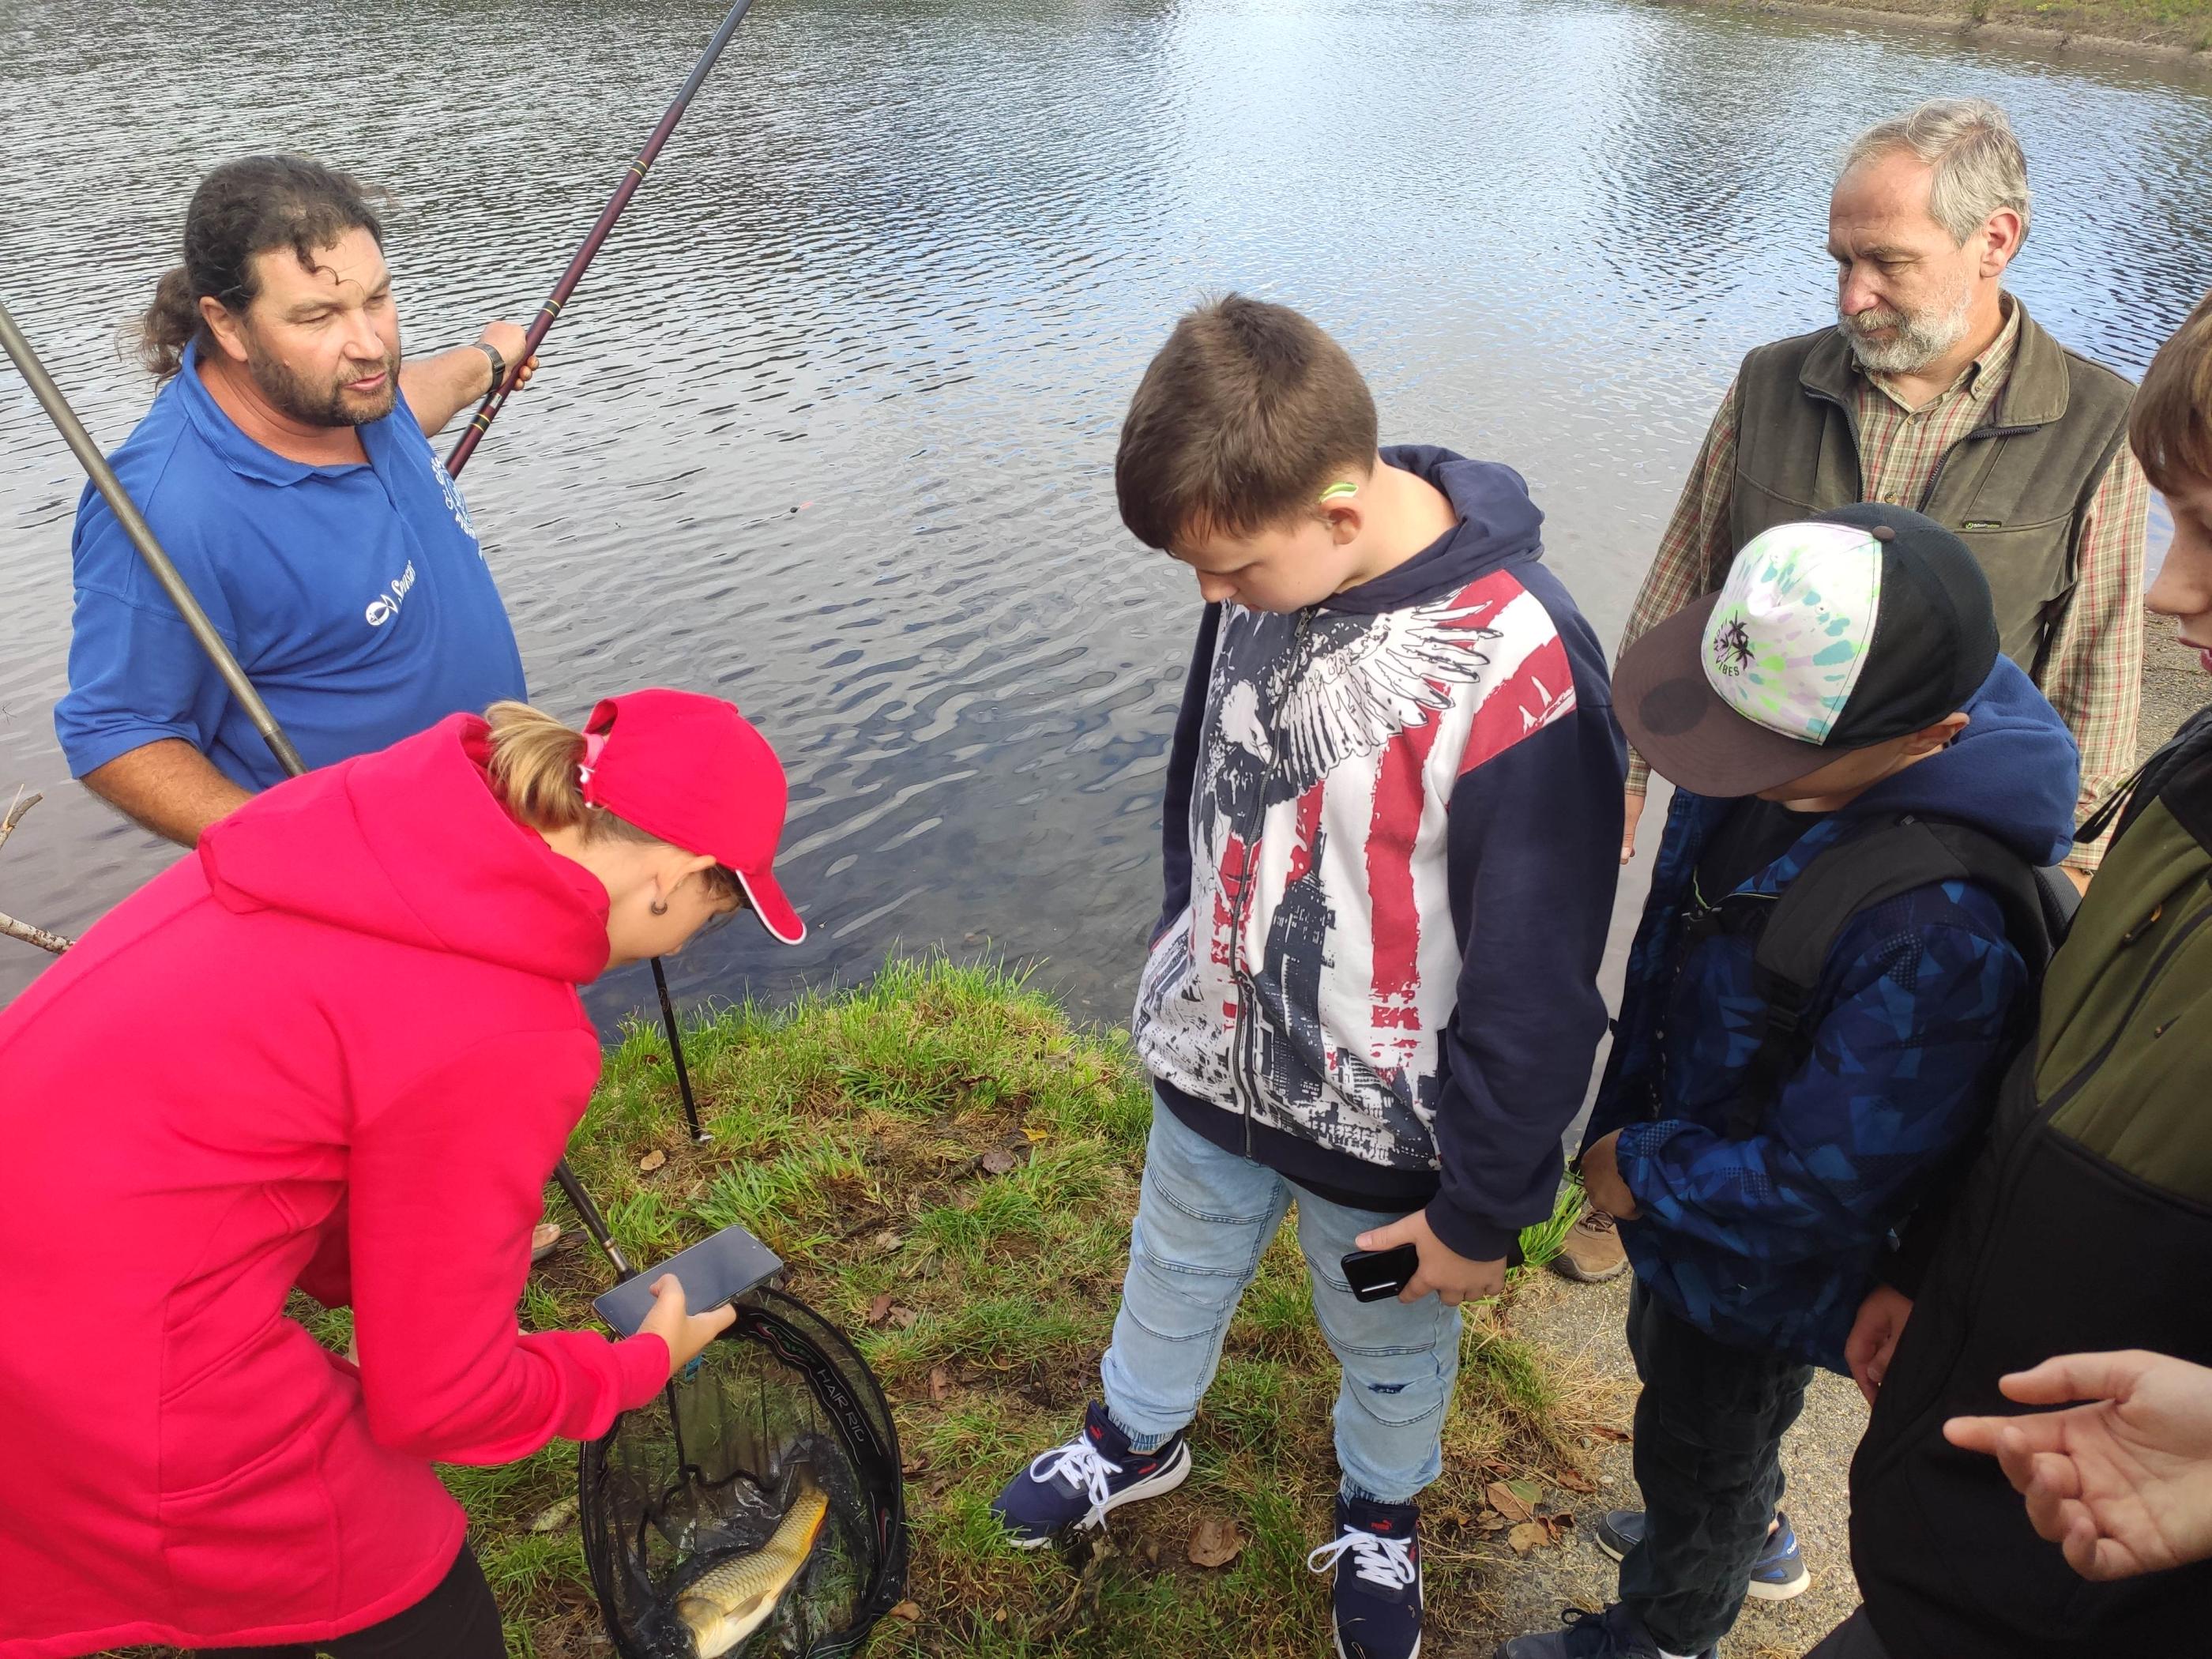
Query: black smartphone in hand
(1375, 1274)
(711, 1272)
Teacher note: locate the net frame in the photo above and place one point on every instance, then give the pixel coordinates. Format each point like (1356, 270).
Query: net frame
(853, 1403)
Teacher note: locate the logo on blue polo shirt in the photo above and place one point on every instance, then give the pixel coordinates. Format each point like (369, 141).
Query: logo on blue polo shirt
(385, 606)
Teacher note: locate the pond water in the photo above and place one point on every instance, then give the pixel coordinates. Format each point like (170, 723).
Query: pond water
(829, 428)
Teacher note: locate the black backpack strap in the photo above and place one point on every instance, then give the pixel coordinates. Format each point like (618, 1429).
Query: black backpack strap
(1853, 875)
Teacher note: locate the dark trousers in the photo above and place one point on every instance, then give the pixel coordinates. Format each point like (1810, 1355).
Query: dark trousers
(1709, 1428)
(1852, 1639)
(459, 1619)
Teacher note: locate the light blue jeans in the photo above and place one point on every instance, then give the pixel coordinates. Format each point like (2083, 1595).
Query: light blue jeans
(1204, 1220)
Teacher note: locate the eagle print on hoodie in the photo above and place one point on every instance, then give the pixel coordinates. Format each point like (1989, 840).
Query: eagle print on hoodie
(1391, 836)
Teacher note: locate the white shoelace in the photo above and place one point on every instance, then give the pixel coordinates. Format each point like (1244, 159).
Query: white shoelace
(1386, 1561)
(1078, 1463)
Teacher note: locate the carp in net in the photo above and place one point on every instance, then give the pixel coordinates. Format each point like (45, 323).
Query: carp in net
(755, 1508)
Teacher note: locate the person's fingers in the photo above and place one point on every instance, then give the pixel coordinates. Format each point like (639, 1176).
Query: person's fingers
(721, 1318)
(1975, 1433)
(2016, 1457)
(2053, 1489)
(2077, 1377)
(2089, 1552)
(1389, 1237)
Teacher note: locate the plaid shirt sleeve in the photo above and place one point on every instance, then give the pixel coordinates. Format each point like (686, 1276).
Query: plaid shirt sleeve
(2092, 670)
(1695, 549)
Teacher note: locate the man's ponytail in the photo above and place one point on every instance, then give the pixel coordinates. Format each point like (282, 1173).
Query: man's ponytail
(169, 324)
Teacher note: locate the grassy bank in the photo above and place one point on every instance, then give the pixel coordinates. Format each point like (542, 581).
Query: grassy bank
(2182, 26)
(853, 1133)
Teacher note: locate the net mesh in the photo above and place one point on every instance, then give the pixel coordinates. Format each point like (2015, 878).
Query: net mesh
(705, 1474)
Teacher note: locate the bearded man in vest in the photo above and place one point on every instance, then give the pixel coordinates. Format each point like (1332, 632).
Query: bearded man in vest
(1937, 391)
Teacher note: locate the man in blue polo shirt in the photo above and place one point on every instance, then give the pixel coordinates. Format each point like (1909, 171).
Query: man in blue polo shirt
(286, 467)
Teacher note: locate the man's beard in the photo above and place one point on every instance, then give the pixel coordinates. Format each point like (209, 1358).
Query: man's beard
(331, 404)
(1922, 338)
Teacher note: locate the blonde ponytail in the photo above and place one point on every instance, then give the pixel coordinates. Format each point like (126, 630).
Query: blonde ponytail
(534, 762)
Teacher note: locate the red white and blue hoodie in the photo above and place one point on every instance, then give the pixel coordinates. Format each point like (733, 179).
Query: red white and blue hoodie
(1392, 831)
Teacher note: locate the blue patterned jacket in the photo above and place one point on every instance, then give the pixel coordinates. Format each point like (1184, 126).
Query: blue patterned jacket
(1769, 1242)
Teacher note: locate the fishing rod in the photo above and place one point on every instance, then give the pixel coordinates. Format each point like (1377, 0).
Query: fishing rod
(234, 678)
(496, 397)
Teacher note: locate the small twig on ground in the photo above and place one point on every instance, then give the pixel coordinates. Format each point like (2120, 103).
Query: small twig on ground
(9, 926)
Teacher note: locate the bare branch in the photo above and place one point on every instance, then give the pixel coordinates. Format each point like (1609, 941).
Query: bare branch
(10, 927)
(16, 813)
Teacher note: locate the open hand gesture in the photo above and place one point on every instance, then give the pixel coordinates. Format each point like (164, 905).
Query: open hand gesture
(2124, 1484)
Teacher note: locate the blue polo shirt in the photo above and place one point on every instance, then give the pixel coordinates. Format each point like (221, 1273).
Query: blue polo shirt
(355, 596)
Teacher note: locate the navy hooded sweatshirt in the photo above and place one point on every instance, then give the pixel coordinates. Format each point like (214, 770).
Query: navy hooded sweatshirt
(1391, 835)
(1769, 1241)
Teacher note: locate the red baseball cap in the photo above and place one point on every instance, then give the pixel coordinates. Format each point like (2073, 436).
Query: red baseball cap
(692, 771)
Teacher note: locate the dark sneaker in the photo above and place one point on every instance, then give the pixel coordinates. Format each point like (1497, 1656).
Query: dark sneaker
(1779, 1573)
(1616, 1634)
(1079, 1484)
(1377, 1554)
(1592, 1251)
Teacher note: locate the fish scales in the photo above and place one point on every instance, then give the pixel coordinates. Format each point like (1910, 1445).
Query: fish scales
(724, 1606)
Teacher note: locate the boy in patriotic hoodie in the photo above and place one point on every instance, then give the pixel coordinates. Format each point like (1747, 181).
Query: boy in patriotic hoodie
(1392, 818)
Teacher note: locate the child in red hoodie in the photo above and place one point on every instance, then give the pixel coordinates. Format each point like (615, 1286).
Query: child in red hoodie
(341, 1048)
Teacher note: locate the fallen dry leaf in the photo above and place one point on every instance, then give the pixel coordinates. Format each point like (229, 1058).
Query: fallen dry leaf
(940, 1384)
(1606, 1431)
(880, 1309)
(916, 1464)
(1574, 1480)
(1215, 1542)
(888, 1242)
(907, 1611)
(999, 1161)
(554, 1518)
(652, 1160)
(1034, 1134)
(905, 1318)
(1508, 1502)
(1529, 1535)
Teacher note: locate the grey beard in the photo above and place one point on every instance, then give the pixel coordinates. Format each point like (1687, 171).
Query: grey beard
(1921, 340)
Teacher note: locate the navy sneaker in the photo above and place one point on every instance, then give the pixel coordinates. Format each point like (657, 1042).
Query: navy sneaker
(1779, 1574)
(1077, 1485)
(1616, 1634)
(1377, 1554)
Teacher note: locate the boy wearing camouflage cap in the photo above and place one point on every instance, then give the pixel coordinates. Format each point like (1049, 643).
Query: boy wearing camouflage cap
(1760, 1148)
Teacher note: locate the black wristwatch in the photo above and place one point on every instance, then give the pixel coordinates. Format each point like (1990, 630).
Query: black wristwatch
(498, 362)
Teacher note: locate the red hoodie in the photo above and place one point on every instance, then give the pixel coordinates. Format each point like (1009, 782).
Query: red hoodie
(340, 1049)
